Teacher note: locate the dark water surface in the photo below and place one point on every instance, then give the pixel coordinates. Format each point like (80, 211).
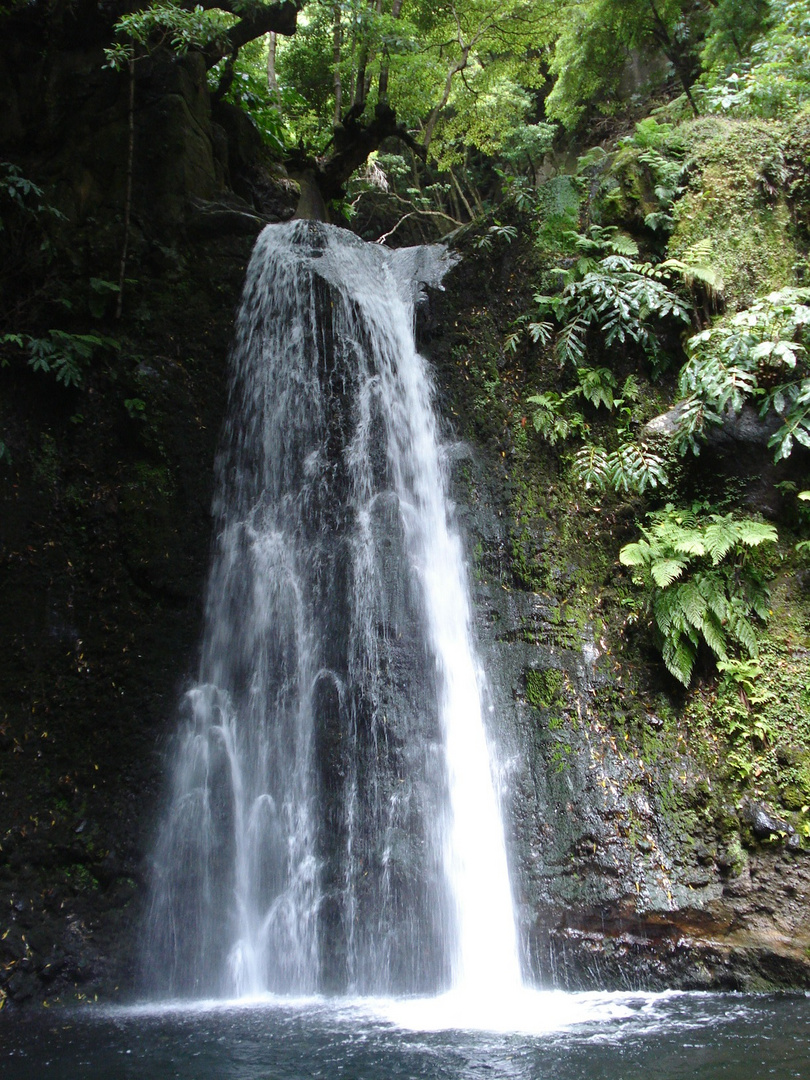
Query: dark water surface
(593, 1036)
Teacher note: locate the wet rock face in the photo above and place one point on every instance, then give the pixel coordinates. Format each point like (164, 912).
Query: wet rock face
(623, 875)
(612, 892)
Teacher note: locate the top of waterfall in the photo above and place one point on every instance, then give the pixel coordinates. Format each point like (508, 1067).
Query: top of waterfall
(337, 254)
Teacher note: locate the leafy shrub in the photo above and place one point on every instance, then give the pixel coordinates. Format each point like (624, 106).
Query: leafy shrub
(772, 77)
(758, 354)
(166, 24)
(59, 353)
(634, 466)
(700, 582)
(622, 299)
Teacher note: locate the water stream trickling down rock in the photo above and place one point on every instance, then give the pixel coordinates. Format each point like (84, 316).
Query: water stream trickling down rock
(334, 817)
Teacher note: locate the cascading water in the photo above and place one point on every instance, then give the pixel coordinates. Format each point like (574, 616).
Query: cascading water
(333, 823)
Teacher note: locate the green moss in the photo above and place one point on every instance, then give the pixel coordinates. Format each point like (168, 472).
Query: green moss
(759, 731)
(797, 161)
(736, 201)
(626, 194)
(544, 688)
(80, 878)
(735, 855)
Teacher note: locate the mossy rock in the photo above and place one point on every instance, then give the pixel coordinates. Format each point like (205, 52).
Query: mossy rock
(544, 688)
(738, 201)
(626, 193)
(797, 161)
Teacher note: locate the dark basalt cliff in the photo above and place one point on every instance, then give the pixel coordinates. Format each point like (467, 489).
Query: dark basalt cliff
(636, 867)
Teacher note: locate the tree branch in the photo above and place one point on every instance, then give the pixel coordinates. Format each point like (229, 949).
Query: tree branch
(353, 142)
(278, 18)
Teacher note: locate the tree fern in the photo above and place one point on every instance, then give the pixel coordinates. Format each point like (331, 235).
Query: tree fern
(700, 583)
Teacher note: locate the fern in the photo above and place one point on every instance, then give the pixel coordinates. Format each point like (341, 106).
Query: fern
(549, 418)
(758, 354)
(541, 331)
(622, 300)
(598, 385)
(570, 344)
(700, 583)
(696, 265)
(633, 467)
(591, 466)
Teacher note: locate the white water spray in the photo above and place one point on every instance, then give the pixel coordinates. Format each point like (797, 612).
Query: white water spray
(334, 822)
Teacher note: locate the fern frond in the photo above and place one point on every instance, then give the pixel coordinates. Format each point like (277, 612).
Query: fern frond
(752, 533)
(692, 604)
(667, 613)
(637, 554)
(591, 466)
(633, 468)
(689, 542)
(720, 537)
(679, 657)
(714, 635)
(540, 332)
(741, 629)
(570, 344)
(665, 571)
(597, 385)
(713, 590)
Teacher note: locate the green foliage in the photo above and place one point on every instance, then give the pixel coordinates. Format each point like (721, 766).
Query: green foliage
(552, 419)
(736, 200)
(700, 582)
(19, 193)
(734, 26)
(625, 301)
(636, 186)
(742, 690)
(249, 90)
(526, 144)
(494, 233)
(758, 354)
(555, 206)
(167, 24)
(136, 408)
(460, 76)
(543, 688)
(633, 467)
(59, 353)
(596, 40)
(757, 59)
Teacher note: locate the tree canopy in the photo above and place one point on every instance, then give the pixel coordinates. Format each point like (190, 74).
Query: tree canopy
(456, 82)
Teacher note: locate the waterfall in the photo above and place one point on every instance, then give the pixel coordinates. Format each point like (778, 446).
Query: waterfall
(333, 823)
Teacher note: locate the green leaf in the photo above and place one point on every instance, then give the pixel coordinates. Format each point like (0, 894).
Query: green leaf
(666, 571)
(679, 657)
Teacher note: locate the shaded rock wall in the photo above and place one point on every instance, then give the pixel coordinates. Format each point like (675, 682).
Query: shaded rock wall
(105, 489)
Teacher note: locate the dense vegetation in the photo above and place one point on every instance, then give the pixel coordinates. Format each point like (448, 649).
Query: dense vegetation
(445, 114)
(637, 169)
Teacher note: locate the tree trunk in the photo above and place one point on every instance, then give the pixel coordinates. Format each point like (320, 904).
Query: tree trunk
(272, 81)
(337, 42)
(382, 86)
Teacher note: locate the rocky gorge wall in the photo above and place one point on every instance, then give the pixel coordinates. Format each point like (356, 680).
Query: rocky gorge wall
(640, 862)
